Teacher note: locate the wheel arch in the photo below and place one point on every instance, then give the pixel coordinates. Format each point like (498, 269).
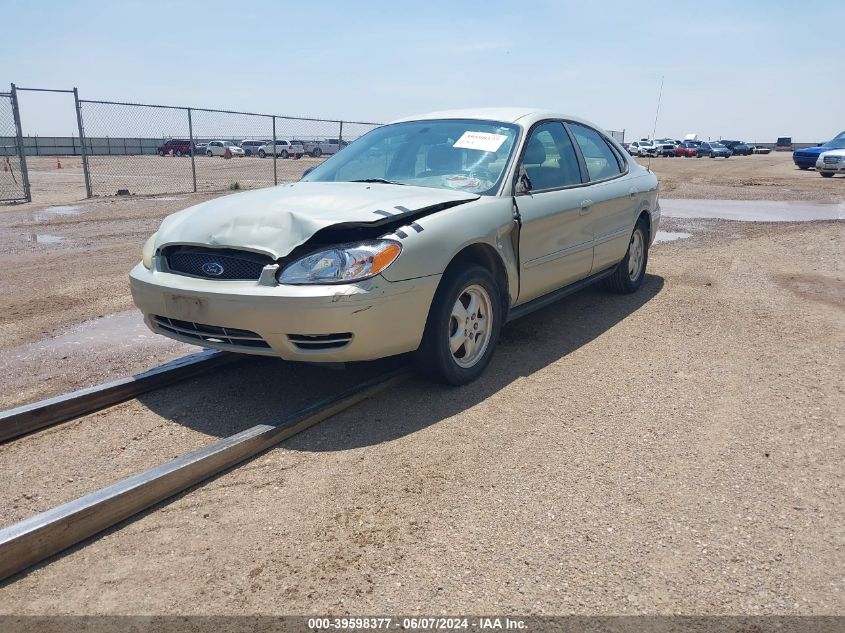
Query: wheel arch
(482, 254)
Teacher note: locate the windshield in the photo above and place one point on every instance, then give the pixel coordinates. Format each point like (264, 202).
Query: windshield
(228, 144)
(838, 142)
(462, 154)
(716, 145)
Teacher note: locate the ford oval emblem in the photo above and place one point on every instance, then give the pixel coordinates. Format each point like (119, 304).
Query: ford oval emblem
(213, 269)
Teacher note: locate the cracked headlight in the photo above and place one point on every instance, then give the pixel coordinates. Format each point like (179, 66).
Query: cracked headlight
(148, 251)
(342, 264)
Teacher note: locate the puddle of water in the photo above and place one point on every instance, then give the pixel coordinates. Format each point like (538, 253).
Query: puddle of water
(752, 210)
(670, 236)
(44, 238)
(51, 212)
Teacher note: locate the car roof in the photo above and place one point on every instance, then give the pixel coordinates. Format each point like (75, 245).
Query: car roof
(522, 116)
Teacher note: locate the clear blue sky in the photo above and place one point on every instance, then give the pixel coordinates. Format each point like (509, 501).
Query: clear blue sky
(755, 69)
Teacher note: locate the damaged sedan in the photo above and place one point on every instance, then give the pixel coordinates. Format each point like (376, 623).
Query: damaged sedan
(425, 236)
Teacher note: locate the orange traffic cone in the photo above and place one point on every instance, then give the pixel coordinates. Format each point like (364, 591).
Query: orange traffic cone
(58, 163)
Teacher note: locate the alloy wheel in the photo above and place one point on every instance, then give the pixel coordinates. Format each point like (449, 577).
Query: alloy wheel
(469, 326)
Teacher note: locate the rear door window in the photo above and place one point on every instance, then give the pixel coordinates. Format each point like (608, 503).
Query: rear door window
(601, 160)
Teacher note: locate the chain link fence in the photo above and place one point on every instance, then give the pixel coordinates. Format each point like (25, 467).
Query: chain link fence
(152, 149)
(14, 184)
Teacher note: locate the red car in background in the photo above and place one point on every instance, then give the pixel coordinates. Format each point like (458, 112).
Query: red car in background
(687, 149)
(176, 147)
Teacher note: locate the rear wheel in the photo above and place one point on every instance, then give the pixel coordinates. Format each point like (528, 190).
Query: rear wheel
(161, 152)
(826, 174)
(209, 153)
(262, 153)
(284, 154)
(630, 272)
(462, 328)
(804, 167)
(179, 153)
(317, 152)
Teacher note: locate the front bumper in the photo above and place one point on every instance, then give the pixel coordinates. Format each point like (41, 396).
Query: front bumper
(305, 323)
(830, 168)
(805, 161)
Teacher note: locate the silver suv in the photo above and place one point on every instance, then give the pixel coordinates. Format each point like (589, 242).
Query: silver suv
(327, 146)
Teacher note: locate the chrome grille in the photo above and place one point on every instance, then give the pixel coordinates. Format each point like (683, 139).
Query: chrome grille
(203, 333)
(832, 160)
(205, 262)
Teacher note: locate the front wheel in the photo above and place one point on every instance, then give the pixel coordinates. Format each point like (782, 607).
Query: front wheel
(209, 153)
(316, 153)
(803, 167)
(284, 153)
(826, 174)
(262, 153)
(462, 328)
(630, 272)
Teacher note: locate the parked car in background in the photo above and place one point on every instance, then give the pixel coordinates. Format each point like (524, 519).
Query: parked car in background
(664, 148)
(282, 149)
(831, 162)
(783, 144)
(762, 150)
(713, 149)
(325, 147)
(738, 148)
(642, 148)
(262, 272)
(250, 146)
(176, 147)
(218, 148)
(199, 148)
(687, 149)
(806, 158)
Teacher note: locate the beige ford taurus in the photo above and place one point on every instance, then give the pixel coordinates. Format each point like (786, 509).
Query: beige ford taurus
(423, 236)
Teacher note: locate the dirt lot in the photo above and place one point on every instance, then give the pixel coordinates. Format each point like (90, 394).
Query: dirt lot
(678, 450)
(757, 177)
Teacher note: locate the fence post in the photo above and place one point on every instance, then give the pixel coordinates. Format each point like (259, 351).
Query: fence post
(193, 149)
(275, 174)
(16, 114)
(340, 136)
(85, 172)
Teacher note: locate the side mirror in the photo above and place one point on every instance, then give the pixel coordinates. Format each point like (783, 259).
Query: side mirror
(307, 171)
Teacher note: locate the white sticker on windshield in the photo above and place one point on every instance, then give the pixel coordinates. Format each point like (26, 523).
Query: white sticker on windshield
(484, 141)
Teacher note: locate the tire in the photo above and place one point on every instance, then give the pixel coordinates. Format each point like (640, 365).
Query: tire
(160, 152)
(628, 276)
(316, 152)
(179, 153)
(435, 357)
(262, 153)
(803, 167)
(284, 154)
(826, 174)
(209, 153)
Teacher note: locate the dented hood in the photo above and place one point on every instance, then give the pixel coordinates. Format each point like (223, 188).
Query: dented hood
(278, 219)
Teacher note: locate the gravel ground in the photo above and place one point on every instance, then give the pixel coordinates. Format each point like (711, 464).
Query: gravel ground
(679, 450)
(674, 451)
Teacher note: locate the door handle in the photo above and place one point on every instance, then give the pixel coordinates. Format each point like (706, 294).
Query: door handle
(585, 206)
